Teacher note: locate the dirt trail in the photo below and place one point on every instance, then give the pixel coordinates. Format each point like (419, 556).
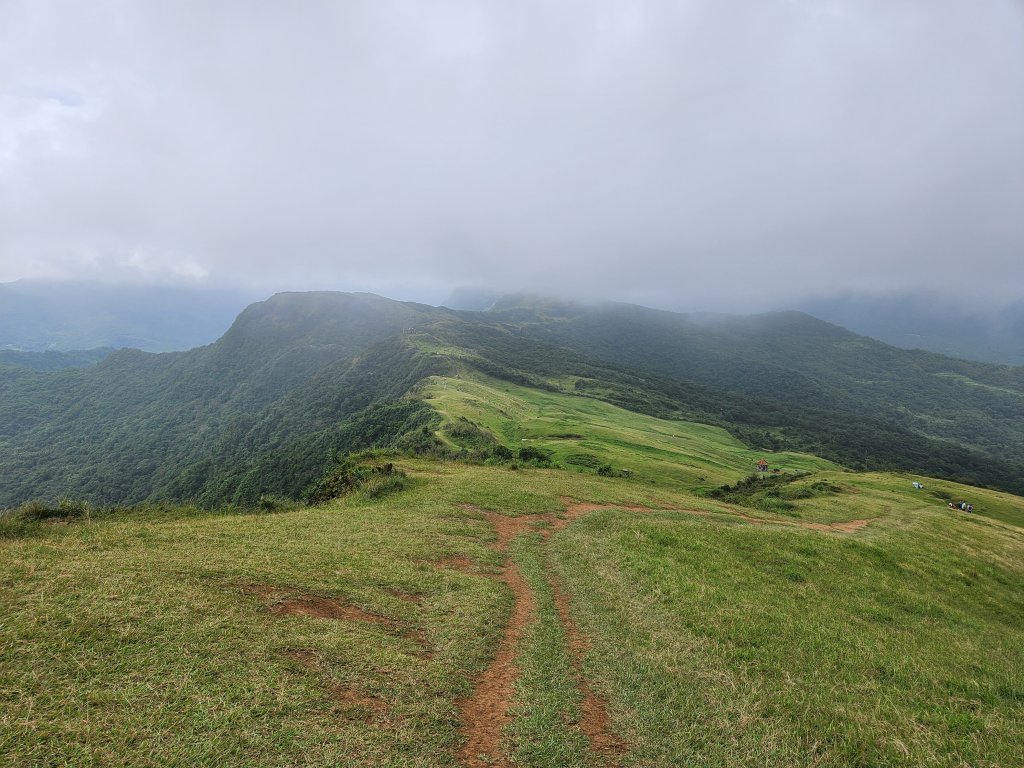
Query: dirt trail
(485, 713)
(574, 510)
(594, 719)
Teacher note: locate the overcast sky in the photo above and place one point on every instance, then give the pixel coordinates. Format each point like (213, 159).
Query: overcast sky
(686, 154)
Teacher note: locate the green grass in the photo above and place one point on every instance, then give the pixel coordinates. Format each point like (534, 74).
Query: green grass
(131, 642)
(740, 645)
(547, 699)
(130, 639)
(673, 454)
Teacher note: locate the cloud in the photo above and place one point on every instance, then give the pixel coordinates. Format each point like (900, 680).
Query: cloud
(679, 153)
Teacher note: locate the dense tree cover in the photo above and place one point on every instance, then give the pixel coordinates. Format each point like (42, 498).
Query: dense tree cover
(52, 360)
(181, 425)
(302, 378)
(796, 359)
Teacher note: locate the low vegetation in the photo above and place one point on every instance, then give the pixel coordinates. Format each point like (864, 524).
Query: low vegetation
(355, 573)
(176, 636)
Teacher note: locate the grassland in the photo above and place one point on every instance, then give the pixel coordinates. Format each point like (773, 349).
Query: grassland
(709, 633)
(583, 433)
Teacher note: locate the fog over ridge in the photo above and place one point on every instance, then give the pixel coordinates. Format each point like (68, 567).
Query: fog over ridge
(676, 154)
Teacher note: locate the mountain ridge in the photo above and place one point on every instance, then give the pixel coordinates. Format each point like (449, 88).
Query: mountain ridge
(311, 375)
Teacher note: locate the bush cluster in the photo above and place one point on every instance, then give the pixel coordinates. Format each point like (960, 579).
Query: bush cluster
(348, 477)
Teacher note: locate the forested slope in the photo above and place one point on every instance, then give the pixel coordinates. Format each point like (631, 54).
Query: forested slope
(793, 358)
(302, 377)
(141, 425)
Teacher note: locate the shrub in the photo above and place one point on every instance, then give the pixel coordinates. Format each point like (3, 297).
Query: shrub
(65, 509)
(469, 434)
(502, 453)
(379, 485)
(348, 477)
(270, 503)
(534, 455)
(583, 460)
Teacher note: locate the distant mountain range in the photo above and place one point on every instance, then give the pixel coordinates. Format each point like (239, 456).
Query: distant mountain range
(948, 324)
(66, 316)
(304, 376)
(69, 317)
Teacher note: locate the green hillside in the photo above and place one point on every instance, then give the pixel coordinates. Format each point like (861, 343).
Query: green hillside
(300, 378)
(584, 434)
(548, 559)
(556, 617)
(794, 358)
(180, 425)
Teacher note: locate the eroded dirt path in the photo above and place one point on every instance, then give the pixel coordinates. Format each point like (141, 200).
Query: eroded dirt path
(849, 526)
(594, 721)
(485, 713)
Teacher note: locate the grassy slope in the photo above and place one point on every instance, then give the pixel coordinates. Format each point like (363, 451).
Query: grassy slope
(673, 454)
(716, 641)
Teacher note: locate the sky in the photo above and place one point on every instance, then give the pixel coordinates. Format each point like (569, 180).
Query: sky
(689, 154)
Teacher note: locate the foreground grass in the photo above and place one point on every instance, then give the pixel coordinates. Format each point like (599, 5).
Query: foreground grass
(134, 643)
(140, 641)
(734, 645)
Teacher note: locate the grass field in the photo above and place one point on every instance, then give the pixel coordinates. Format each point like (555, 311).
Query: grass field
(654, 627)
(671, 454)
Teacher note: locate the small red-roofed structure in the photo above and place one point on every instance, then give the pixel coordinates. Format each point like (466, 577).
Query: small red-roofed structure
(762, 466)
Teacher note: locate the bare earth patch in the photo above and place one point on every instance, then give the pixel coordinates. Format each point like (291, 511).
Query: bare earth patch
(283, 602)
(326, 608)
(314, 606)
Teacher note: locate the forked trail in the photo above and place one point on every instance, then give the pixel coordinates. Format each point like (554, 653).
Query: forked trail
(485, 713)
